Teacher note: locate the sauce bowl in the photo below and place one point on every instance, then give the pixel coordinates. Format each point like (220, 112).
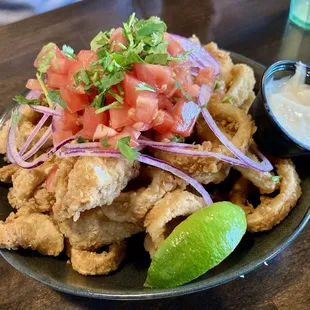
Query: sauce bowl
(270, 136)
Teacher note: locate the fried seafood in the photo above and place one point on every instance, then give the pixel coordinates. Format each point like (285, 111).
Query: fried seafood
(271, 211)
(89, 182)
(6, 172)
(225, 61)
(162, 219)
(92, 263)
(246, 105)
(36, 231)
(93, 230)
(4, 137)
(134, 205)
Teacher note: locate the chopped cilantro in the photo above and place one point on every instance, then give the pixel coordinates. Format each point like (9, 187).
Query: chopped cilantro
(54, 95)
(81, 76)
(120, 89)
(14, 117)
(227, 99)
(81, 140)
(100, 40)
(113, 105)
(116, 96)
(123, 145)
(23, 100)
(217, 85)
(185, 94)
(97, 102)
(145, 28)
(180, 57)
(145, 86)
(160, 59)
(204, 106)
(42, 84)
(177, 138)
(276, 178)
(68, 51)
(104, 142)
(110, 79)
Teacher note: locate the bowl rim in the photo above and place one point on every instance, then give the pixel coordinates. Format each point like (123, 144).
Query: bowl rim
(265, 78)
(150, 294)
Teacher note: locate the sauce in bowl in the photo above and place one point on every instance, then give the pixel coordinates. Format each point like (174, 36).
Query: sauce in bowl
(289, 100)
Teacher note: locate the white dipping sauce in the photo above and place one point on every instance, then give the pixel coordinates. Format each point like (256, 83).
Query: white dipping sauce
(289, 101)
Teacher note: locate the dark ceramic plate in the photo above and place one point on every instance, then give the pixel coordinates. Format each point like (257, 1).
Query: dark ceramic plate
(127, 282)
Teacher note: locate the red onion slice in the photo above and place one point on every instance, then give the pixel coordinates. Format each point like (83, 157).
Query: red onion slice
(89, 152)
(200, 57)
(154, 144)
(33, 134)
(45, 110)
(203, 99)
(34, 94)
(179, 173)
(88, 145)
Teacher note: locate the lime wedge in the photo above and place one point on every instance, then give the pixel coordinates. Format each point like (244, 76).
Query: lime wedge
(196, 245)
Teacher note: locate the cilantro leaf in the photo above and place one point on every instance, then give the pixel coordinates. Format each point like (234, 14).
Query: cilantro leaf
(104, 142)
(14, 117)
(145, 28)
(123, 145)
(145, 86)
(81, 76)
(111, 79)
(276, 178)
(217, 85)
(227, 99)
(113, 105)
(100, 40)
(55, 96)
(68, 51)
(158, 59)
(42, 84)
(23, 100)
(177, 138)
(181, 57)
(204, 106)
(116, 96)
(185, 94)
(44, 59)
(97, 102)
(81, 140)
(127, 58)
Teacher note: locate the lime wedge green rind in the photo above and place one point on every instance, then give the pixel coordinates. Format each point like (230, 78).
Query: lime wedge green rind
(196, 245)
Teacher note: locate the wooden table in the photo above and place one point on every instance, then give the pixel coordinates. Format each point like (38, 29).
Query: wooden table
(257, 29)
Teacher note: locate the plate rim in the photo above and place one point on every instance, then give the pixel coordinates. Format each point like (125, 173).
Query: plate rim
(150, 294)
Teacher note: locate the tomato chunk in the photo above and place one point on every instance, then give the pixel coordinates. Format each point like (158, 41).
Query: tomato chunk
(33, 84)
(163, 122)
(87, 57)
(120, 117)
(70, 121)
(118, 37)
(185, 113)
(103, 131)
(164, 103)
(155, 75)
(206, 76)
(146, 109)
(50, 180)
(56, 80)
(75, 102)
(174, 47)
(113, 140)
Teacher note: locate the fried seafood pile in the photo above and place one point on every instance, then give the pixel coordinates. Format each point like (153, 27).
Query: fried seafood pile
(94, 204)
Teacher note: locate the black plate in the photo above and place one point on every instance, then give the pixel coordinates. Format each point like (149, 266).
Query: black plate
(127, 282)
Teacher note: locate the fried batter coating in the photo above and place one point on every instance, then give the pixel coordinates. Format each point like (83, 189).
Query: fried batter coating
(134, 205)
(272, 211)
(90, 182)
(4, 137)
(246, 105)
(225, 62)
(93, 230)
(92, 263)
(175, 204)
(241, 85)
(36, 231)
(6, 172)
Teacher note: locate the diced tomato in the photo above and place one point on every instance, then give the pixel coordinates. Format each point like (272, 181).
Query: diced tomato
(174, 47)
(163, 122)
(118, 37)
(132, 131)
(90, 120)
(192, 90)
(50, 180)
(165, 137)
(87, 57)
(70, 121)
(182, 73)
(164, 103)
(155, 75)
(146, 109)
(46, 50)
(130, 84)
(60, 64)
(206, 76)
(56, 80)
(103, 131)
(140, 126)
(119, 117)
(185, 114)
(33, 84)
(113, 140)
(75, 102)
(59, 135)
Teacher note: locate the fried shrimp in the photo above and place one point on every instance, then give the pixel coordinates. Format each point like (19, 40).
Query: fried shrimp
(162, 219)
(225, 61)
(90, 182)
(92, 263)
(93, 230)
(6, 172)
(271, 211)
(241, 85)
(134, 205)
(36, 231)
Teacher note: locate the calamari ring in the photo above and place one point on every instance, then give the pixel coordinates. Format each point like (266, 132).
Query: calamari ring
(272, 211)
(92, 263)
(134, 205)
(165, 215)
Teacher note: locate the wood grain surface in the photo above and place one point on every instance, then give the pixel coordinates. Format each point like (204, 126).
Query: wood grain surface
(257, 29)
